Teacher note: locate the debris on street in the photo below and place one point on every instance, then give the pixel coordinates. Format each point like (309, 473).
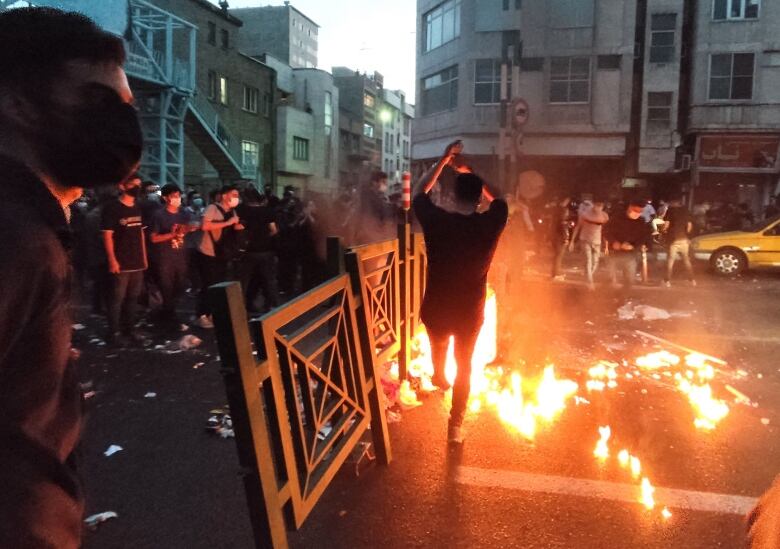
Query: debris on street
(113, 449)
(93, 520)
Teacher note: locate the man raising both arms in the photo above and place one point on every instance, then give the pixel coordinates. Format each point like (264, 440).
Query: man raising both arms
(460, 245)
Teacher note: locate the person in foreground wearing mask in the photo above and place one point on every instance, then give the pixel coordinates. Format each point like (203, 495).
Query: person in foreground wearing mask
(218, 247)
(123, 237)
(626, 235)
(66, 124)
(169, 255)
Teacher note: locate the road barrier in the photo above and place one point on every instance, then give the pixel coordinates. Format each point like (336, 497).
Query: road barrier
(301, 402)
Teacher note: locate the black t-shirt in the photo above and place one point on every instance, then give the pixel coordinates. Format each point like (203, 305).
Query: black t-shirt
(256, 220)
(162, 223)
(460, 249)
(126, 223)
(622, 228)
(678, 218)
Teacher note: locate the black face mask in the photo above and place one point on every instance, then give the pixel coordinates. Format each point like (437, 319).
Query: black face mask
(95, 144)
(135, 192)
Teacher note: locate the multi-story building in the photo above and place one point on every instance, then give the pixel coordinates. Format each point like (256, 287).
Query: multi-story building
(668, 95)
(360, 149)
(571, 64)
(230, 121)
(396, 117)
(307, 121)
(733, 126)
(281, 31)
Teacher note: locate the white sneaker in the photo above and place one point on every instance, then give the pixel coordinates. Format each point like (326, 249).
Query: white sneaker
(667, 284)
(204, 321)
(559, 278)
(693, 283)
(183, 327)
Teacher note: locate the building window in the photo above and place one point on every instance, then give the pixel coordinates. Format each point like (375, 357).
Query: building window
(731, 76)
(569, 80)
(250, 154)
(300, 148)
(440, 91)
(659, 110)
(368, 130)
(532, 64)
(224, 36)
(212, 34)
(328, 111)
(266, 106)
(723, 10)
(212, 85)
(441, 25)
(407, 125)
(223, 90)
(662, 27)
(608, 62)
(487, 81)
(368, 100)
(251, 96)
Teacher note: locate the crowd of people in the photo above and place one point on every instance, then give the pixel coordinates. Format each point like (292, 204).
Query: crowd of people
(141, 244)
(624, 233)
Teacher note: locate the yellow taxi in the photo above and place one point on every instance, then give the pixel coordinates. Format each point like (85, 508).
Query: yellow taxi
(731, 253)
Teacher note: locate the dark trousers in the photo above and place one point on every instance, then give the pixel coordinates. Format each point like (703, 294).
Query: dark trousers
(464, 341)
(171, 276)
(289, 261)
(101, 287)
(559, 250)
(258, 273)
(123, 302)
(212, 271)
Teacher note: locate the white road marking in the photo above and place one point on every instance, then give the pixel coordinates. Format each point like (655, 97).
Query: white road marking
(615, 491)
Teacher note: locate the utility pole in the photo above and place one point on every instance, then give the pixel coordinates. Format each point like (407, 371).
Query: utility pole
(510, 75)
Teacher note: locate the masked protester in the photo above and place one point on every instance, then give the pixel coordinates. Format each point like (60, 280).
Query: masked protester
(169, 227)
(626, 235)
(219, 247)
(123, 237)
(66, 124)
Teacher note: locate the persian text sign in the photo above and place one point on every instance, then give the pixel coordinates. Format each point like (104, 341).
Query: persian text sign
(739, 151)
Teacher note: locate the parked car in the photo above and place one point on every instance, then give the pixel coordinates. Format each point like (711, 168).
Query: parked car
(731, 253)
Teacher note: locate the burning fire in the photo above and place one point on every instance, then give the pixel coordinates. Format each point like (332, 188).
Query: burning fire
(602, 449)
(521, 404)
(692, 381)
(648, 490)
(525, 405)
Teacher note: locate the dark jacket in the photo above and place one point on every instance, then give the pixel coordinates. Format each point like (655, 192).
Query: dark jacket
(40, 402)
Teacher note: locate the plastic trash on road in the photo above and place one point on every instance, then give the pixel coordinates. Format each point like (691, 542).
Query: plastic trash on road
(220, 423)
(113, 449)
(150, 395)
(93, 520)
(189, 342)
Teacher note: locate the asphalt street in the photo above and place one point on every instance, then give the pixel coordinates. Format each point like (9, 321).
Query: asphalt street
(175, 485)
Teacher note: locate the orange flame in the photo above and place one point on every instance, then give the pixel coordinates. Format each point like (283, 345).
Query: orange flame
(519, 403)
(646, 497)
(602, 449)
